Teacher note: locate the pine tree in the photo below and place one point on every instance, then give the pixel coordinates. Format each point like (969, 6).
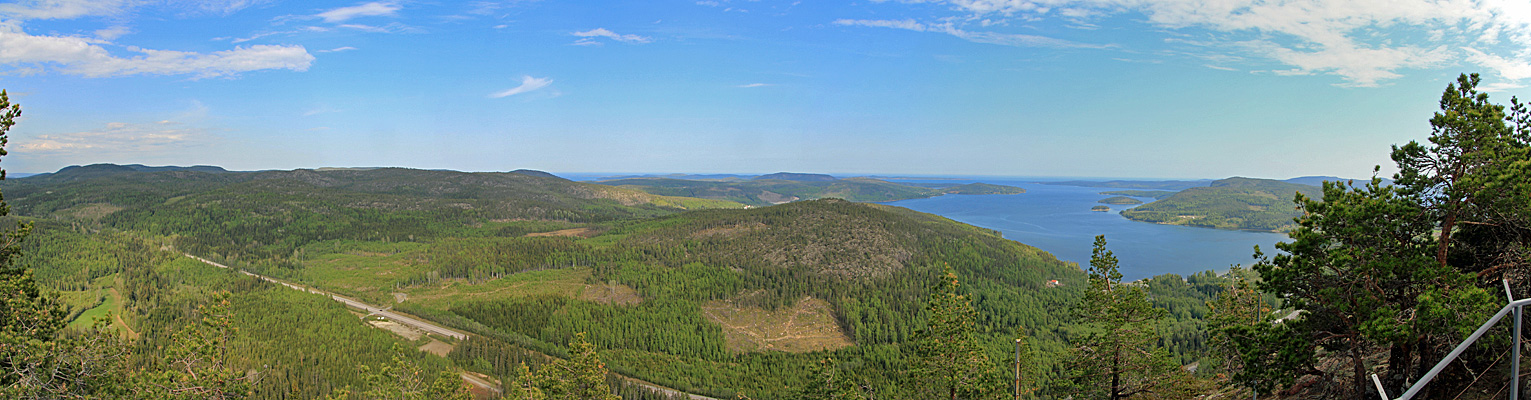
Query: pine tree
(1236, 328)
(35, 361)
(523, 386)
(401, 379)
(199, 360)
(448, 386)
(826, 381)
(1120, 358)
(580, 377)
(949, 362)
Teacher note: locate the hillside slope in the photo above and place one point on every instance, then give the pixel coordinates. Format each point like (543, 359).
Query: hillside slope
(1233, 203)
(765, 190)
(268, 213)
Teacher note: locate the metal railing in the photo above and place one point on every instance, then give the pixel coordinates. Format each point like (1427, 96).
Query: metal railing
(1514, 306)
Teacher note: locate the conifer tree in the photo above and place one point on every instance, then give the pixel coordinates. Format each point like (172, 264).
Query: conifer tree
(35, 362)
(580, 377)
(523, 386)
(199, 360)
(1236, 328)
(1120, 358)
(826, 381)
(948, 360)
(448, 386)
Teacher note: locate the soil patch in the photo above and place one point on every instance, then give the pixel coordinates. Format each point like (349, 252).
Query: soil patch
(572, 232)
(398, 329)
(437, 347)
(611, 293)
(807, 326)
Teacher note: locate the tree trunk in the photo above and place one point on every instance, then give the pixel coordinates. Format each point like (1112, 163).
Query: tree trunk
(1359, 368)
(1446, 225)
(1400, 363)
(1116, 373)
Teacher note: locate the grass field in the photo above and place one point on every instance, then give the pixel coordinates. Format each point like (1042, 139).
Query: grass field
(568, 282)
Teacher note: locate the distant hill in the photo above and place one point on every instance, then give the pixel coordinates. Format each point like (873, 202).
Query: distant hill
(95, 170)
(1319, 180)
(536, 173)
(1154, 185)
(796, 177)
(275, 210)
(761, 192)
(1156, 194)
(1233, 203)
(1120, 200)
(983, 188)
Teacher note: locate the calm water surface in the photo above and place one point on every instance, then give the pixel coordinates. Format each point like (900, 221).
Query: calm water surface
(1058, 219)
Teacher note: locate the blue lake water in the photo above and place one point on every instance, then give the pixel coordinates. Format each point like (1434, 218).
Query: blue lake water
(1058, 219)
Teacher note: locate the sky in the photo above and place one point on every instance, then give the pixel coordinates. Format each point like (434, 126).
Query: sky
(1169, 89)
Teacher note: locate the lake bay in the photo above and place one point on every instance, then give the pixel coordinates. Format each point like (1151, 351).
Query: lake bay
(1057, 219)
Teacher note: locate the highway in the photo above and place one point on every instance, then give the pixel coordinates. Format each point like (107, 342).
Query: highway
(382, 311)
(417, 324)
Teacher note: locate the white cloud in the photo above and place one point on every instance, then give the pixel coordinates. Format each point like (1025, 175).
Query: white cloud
(754, 85)
(1362, 41)
(116, 138)
(1003, 39)
(1508, 68)
(338, 49)
(528, 84)
(1499, 86)
(365, 28)
(112, 33)
(373, 9)
(1362, 67)
(87, 57)
(61, 9)
(69, 9)
(590, 35)
(216, 7)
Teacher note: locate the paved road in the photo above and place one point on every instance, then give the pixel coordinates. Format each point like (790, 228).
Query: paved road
(395, 317)
(417, 324)
(480, 382)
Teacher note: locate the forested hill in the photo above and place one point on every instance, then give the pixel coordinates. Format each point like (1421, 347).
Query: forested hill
(770, 189)
(1233, 203)
(730, 301)
(275, 211)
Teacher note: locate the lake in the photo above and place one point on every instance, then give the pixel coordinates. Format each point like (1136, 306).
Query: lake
(1058, 219)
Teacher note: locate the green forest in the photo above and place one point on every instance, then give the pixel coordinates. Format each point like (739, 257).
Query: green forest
(1233, 203)
(767, 189)
(571, 290)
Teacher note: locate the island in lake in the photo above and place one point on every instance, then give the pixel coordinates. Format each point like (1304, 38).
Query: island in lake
(1100, 208)
(1120, 200)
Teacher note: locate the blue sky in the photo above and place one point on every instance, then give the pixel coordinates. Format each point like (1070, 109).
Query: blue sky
(1089, 88)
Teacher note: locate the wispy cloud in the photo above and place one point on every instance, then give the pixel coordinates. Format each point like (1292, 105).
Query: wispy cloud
(373, 9)
(528, 84)
(62, 9)
(338, 49)
(112, 33)
(116, 138)
(86, 57)
(1003, 39)
(754, 85)
(589, 37)
(320, 110)
(1362, 42)
(70, 9)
